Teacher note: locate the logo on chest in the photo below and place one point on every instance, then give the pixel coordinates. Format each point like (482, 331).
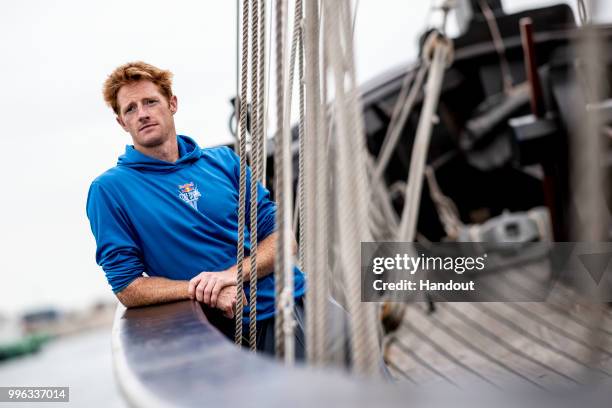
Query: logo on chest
(189, 193)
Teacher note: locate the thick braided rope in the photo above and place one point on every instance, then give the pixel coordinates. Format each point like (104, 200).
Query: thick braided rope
(242, 187)
(308, 208)
(407, 229)
(351, 188)
(368, 312)
(296, 46)
(323, 341)
(282, 168)
(591, 221)
(255, 148)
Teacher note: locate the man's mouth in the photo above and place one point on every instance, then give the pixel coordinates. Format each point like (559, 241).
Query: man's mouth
(147, 126)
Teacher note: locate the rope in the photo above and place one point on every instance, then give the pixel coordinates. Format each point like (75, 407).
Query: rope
(243, 158)
(354, 19)
(255, 164)
(282, 168)
(301, 126)
(351, 189)
(446, 208)
(591, 220)
(261, 86)
(401, 112)
(583, 13)
(237, 100)
(499, 45)
(407, 229)
(266, 86)
(313, 212)
(297, 48)
(383, 218)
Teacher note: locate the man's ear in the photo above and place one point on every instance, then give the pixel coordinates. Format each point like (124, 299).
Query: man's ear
(121, 122)
(173, 104)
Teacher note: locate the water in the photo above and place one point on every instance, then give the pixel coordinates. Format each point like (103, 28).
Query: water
(81, 362)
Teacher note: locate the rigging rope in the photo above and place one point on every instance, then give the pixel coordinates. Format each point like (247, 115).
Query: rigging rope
(242, 182)
(401, 112)
(592, 218)
(447, 210)
(351, 190)
(262, 93)
(297, 48)
(583, 12)
(441, 51)
(498, 41)
(313, 211)
(255, 169)
(237, 100)
(282, 169)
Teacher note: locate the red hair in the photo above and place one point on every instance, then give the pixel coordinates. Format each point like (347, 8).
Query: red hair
(134, 72)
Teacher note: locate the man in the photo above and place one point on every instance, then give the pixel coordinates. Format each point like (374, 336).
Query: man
(165, 219)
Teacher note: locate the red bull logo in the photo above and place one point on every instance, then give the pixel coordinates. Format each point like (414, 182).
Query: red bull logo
(186, 188)
(189, 193)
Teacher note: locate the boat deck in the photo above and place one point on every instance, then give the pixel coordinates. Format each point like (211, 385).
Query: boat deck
(545, 345)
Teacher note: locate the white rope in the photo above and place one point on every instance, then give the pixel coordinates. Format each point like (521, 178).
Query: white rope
(314, 216)
(351, 189)
(282, 168)
(498, 41)
(583, 12)
(401, 112)
(297, 48)
(412, 197)
(383, 218)
(262, 92)
(589, 183)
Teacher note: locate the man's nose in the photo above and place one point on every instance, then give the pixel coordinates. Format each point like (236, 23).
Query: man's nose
(143, 113)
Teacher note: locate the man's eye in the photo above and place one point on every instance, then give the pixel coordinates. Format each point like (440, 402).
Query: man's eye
(129, 109)
(151, 101)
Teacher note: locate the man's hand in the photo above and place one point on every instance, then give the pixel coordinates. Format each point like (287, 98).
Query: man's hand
(226, 301)
(207, 286)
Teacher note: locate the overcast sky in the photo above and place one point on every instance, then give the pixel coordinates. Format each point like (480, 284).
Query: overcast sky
(57, 134)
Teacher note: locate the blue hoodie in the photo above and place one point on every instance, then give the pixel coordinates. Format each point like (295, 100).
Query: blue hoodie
(176, 219)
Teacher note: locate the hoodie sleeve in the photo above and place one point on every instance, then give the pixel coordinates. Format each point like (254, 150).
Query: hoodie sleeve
(117, 252)
(266, 208)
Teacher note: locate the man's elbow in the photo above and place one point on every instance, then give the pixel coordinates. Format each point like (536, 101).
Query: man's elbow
(126, 295)
(124, 299)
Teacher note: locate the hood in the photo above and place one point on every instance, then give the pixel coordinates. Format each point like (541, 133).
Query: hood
(189, 151)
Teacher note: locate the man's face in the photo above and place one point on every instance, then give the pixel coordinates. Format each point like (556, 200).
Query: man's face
(146, 114)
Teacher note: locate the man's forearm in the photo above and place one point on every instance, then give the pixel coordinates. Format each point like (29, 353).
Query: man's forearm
(145, 291)
(266, 253)
(206, 286)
